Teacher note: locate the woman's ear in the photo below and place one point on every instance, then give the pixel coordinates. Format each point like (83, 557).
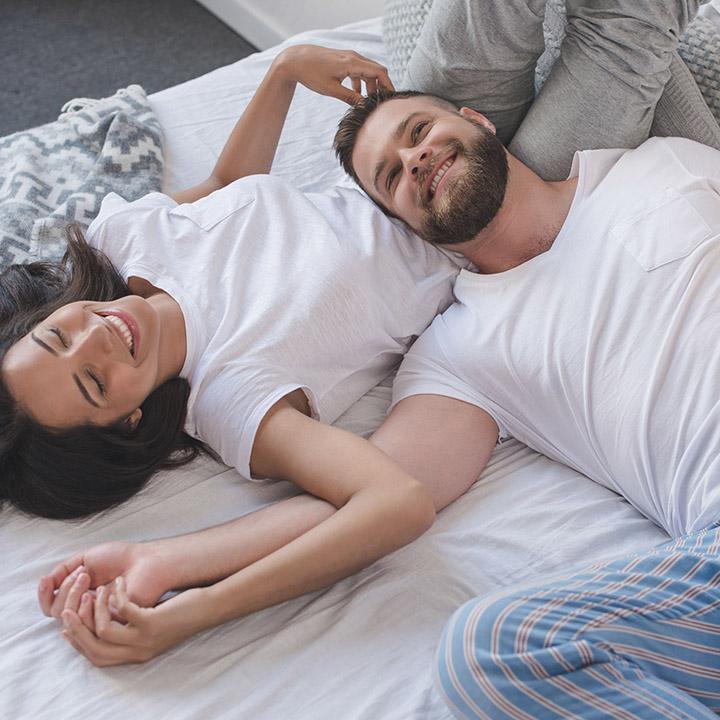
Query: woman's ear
(133, 419)
(471, 114)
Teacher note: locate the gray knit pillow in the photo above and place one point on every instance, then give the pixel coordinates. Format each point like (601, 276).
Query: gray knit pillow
(700, 49)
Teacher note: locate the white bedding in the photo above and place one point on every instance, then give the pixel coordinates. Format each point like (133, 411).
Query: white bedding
(361, 650)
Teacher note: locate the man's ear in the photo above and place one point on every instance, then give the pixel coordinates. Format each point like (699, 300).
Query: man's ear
(471, 114)
(133, 419)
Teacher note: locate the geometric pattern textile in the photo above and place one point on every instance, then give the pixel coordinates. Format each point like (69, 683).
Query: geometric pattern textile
(59, 173)
(700, 49)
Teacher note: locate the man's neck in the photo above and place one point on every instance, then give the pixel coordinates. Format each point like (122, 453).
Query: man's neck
(529, 220)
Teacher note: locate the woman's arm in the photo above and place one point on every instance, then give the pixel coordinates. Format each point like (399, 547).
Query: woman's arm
(443, 442)
(251, 147)
(380, 508)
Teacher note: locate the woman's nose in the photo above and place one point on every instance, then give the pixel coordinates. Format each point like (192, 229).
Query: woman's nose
(95, 338)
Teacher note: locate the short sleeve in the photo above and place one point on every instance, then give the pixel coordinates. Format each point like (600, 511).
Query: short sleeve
(427, 370)
(228, 409)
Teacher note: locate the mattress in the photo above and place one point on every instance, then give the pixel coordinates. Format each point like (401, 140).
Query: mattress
(360, 650)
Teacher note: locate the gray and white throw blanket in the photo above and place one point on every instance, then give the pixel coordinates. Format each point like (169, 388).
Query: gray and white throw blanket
(59, 173)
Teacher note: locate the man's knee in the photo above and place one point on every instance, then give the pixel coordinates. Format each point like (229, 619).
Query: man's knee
(635, 39)
(476, 647)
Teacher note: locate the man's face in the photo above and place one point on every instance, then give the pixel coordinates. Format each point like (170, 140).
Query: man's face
(444, 173)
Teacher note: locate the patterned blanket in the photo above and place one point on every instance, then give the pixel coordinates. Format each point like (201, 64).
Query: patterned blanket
(59, 173)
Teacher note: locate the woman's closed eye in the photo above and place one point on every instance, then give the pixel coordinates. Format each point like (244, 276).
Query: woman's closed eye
(57, 331)
(100, 384)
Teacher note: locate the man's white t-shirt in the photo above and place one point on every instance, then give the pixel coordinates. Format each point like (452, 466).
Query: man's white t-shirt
(279, 290)
(604, 352)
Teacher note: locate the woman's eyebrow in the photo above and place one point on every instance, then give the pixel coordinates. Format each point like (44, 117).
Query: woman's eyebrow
(43, 344)
(82, 388)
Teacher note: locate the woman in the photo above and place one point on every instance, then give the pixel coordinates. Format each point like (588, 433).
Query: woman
(255, 294)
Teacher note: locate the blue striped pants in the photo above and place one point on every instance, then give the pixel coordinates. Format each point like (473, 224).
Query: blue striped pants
(632, 638)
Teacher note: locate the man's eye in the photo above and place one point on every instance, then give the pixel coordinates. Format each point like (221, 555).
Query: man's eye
(391, 177)
(59, 333)
(417, 130)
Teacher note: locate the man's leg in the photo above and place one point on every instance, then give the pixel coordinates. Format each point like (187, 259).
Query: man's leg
(636, 638)
(481, 53)
(602, 91)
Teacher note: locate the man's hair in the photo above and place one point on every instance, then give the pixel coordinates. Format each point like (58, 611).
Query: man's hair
(79, 471)
(356, 117)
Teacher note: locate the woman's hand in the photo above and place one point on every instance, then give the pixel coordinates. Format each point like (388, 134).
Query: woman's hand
(130, 633)
(146, 575)
(323, 71)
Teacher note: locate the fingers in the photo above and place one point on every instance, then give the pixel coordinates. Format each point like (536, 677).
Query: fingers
(87, 611)
(77, 590)
(48, 584)
(57, 601)
(95, 649)
(124, 607)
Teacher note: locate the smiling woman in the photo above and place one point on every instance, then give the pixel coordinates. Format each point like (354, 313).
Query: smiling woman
(81, 469)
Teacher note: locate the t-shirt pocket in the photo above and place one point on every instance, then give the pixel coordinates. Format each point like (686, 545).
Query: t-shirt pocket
(211, 210)
(670, 227)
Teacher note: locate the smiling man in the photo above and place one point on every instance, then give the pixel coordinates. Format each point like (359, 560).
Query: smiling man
(589, 331)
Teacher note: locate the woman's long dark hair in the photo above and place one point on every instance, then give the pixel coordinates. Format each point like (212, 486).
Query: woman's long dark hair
(79, 471)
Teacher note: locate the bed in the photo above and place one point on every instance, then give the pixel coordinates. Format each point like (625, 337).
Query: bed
(362, 649)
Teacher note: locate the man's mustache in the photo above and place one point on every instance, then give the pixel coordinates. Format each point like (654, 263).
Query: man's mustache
(454, 147)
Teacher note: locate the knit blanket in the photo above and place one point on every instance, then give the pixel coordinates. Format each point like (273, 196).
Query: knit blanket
(59, 173)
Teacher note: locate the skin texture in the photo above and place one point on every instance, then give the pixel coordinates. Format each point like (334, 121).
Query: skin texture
(77, 344)
(408, 160)
(531, 210)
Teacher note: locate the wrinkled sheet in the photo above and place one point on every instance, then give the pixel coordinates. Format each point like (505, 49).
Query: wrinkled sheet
(361, 650)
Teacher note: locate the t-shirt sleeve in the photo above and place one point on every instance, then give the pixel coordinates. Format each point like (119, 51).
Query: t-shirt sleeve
(115, 211)
(229, 409)
(427, 370)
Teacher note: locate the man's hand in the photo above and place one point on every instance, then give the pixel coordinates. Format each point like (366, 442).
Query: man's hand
(324, 69)
(146, 576)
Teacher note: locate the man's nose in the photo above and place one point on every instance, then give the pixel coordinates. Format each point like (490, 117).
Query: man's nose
(415, 160)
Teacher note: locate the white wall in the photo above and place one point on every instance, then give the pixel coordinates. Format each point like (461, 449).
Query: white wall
(267, 22)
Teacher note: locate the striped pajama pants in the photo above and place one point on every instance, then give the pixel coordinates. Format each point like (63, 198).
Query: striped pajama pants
(632, 638)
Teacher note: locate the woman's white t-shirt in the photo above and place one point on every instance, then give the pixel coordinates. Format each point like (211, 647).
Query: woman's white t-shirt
(280, 290)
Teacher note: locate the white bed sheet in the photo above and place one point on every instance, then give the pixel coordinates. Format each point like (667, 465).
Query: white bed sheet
(361, 650)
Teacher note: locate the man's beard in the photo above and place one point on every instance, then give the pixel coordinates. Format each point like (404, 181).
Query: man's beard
(473, 199)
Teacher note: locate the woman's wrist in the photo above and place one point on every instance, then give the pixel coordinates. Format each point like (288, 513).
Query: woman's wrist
(283, 67)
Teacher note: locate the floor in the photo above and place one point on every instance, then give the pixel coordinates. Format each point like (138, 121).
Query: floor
(53, 51)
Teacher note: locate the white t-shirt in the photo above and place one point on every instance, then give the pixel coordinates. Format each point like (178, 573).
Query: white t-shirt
(604, 352)
(280, 290)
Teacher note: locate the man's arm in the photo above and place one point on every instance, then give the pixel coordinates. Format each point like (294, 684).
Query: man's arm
(443, 442)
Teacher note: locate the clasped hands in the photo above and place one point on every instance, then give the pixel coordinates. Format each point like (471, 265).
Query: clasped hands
(106, 599)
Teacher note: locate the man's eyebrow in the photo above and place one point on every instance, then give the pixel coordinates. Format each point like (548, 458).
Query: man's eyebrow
(399, 132)
(84, 391)
(43, 344)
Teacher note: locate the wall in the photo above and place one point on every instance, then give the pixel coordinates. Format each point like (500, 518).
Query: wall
(267, 22)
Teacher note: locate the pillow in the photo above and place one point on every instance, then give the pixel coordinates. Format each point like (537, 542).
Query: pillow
(59, 173)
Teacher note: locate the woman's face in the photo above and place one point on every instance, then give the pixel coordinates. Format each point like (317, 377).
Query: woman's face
(91, 362)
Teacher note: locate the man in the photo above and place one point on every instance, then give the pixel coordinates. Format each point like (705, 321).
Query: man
(590, 332)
